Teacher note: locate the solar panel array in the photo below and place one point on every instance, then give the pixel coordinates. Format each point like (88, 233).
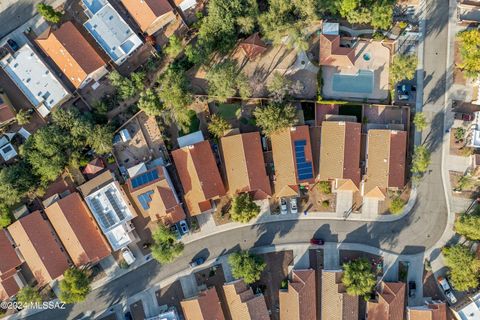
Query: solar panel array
(304, 167)
(113, 201)
(145, 199)
(105, 218)
(144, 178)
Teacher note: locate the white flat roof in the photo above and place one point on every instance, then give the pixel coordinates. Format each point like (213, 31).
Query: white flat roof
(470, 311)
(190, 139)
(475, 131)
(34, 78)
(112, 214)
(111, 32)
(8, 152)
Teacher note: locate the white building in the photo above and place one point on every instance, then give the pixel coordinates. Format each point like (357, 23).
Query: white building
(111, 32)
(112, 214)
(34, 79)
(474, 134)
(470, 311)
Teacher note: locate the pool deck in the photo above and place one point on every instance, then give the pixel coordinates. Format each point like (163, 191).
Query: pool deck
(378, 63)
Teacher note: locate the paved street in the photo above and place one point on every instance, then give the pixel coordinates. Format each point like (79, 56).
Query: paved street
(415, 233)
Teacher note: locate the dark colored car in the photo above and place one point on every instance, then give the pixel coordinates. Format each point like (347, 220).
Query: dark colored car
(13, 45)
(197, 262)
(317, 241)
(412, 287)
(464, 116)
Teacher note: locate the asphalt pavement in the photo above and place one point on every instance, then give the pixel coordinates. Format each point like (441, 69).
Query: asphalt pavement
(415, 233)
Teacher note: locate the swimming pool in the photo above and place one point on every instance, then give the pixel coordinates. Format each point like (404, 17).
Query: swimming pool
(362, 82)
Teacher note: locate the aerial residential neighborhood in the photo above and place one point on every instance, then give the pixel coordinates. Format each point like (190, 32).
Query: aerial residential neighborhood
(240, 159)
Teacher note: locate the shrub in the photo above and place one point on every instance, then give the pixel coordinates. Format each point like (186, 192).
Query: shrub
(396, 205)
(325, 203)
(325, 187)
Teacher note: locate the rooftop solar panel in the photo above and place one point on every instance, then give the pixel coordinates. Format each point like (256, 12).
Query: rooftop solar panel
(113, 201)
(144, 178)
(145, 199)
(304, 168)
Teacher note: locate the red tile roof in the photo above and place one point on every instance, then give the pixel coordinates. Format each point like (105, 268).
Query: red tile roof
(77, 230)
(206, 306)
(253, 46)
(198, 171)
(6, 110)
(94, 167)
(40, 247)
(332, 54)
(300, 300)
(390, 304)
(244, 165)
(9, 259)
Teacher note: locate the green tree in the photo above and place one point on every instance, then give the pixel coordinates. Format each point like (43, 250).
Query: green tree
(138, 80)
(218, 126)
(463, 267)
(125, 87)
(358, 277)
(469, 43)
(48, 13)
(22, 117)
(150, 103)
(468, 225)
(325, 187)
(403, 67)
(420, 121)
(275, 117)
(101, 139)
(166, 248)
(459, 133)
(382, 15)
(225, 80)
(174, 47)
(28, 295)
(247, 266)
(421, 160)
(16, 182)
(396, 205)
(243, 208)
(279, 87)
(75, 286)
(5, 217)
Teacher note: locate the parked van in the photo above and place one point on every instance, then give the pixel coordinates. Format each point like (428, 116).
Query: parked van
(128, 256)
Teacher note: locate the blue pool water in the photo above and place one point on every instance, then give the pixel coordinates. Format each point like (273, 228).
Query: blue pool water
(362, 82)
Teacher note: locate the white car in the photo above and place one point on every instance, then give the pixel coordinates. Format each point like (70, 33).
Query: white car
(283, 206)
(183, 227)
(293, 205)
(128, 256)
(447, 290)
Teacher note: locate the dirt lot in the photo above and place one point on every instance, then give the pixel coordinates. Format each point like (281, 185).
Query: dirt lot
(457, 147)
(469, 190)
(320, 201)
(271, 278)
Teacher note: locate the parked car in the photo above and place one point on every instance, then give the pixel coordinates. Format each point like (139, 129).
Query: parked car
(183, 227)
(128, 256)
(412, 287)
(447, 290)
(197, 262)
(13, 45)
(283, 206)
(175, 230)
(464, 116)
(319, 242)
(293, 205)
(404, 90)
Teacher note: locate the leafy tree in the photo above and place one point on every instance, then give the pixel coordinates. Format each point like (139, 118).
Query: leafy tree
(382, 15)
(47, 151)
(126, 88)
(247, 266)
(421, 160)
(469, 42)
(396, 205)
(75, 286)
(358, 277)
(22, 117)
(279, 87)
(420, 121)
(468, 225)
(325, 187)
(243, 208)
(101, 139)
(138, 80)
(5, 218)
(150, 103)
(218, 126)
(459, 134)
(174, 47)
(175, 95)
(16, 181)
(275, 117)
(166, 248)
(48, 13)
(225, 80)
(403, 67)
(28, 295)
(463, 267)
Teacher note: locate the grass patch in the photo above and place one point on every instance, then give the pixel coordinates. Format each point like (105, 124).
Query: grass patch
(228, 111)
(194, 123)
